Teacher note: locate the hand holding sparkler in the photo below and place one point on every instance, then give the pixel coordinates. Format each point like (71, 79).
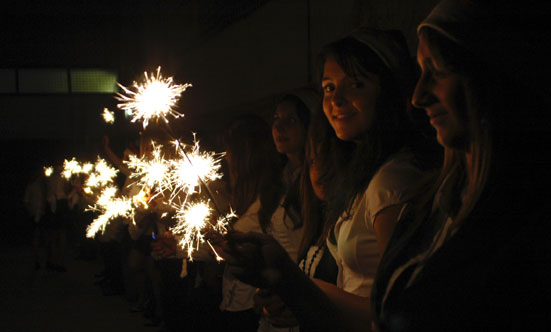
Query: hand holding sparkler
(274, 309)
(256, 258)
(164, 245)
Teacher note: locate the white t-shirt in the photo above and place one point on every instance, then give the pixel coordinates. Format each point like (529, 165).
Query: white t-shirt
(236, 295)
(356, 251)
(281, 228)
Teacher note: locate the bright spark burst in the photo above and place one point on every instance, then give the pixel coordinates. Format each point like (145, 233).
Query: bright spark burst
(48, 171)
(108, 116)
(191, 168)
(156, 97)
(151, 172)
(110, 207)
(100, 174)
(192, 222)
(71, 167)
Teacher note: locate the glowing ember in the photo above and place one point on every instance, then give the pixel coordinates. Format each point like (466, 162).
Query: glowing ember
(108, 116)
(48, 171)
(192, 168)
(192, 224)
(110, 207)
(156, 97)
(152, 172)
(99, 174)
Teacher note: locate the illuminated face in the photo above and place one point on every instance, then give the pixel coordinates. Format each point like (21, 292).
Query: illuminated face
(287, 130)
(314, 173)
(442, 94)
(349, 102)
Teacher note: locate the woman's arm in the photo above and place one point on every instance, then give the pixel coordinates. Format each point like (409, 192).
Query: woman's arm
(355, 309)
(261, 261)
(384, 224)
(113, 157)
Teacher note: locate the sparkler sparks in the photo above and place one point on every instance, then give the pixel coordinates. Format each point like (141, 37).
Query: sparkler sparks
(192, 168)
(71, 167)
(100, 174)
(156, 97)
(151, 172)
(108, 116)
(48, 171)
(110, 207)
(192, 224)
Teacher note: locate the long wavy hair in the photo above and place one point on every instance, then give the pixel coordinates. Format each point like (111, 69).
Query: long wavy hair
(255, 167)
(313, 209)
(292, 202)
(350, 166)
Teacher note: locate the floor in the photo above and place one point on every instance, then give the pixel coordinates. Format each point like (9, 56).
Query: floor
(44, 300)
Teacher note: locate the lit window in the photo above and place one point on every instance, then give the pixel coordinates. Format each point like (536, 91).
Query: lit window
(93, 81)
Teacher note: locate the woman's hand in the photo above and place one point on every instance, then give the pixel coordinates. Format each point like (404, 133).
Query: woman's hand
(274, 309)
(255, 258)
(164, 246)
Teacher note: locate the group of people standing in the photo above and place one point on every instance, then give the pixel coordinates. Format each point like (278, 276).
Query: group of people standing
(355, 216)
(457, 247)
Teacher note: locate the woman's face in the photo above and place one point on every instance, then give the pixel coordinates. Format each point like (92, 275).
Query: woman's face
(314, 173)
(442, 94)
(349, 103)
(287, 130)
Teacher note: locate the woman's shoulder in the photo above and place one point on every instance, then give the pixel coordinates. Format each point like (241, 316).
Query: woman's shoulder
(398, 171)
(249, 221)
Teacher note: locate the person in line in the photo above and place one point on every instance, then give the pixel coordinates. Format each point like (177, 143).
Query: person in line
(255, 172)
(290, 123)
(471, 253)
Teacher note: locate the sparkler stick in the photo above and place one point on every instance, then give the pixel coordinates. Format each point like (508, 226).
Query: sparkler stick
(185, 154)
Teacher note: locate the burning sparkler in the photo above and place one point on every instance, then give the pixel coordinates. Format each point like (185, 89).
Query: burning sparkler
(71, 167)
(110, 207)
(152, 172)
(193, 221)
(108, 116)
(100, 174)
(48, 171)
(192, 168)
(154, 98)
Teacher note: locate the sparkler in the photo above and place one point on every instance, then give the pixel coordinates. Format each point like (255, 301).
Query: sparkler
(192, 168)
(110, 207)
(192, 224)
(154, 98)
(71, 167)
(108, 116)
(99, 174)
(48, 171)
(151, 172)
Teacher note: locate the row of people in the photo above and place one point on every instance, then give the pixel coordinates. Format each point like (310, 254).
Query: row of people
(460, 249)
(352, 218)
